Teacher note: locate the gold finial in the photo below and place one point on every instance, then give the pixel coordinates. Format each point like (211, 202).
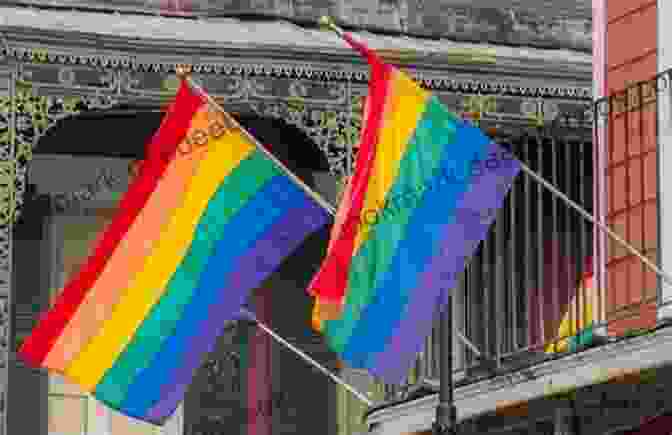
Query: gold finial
(183, 70)
(327, 22)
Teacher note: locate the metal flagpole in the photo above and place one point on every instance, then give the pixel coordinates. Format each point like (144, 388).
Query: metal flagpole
(184, 71)
(590, 218)
(305, 357)
(446, 412)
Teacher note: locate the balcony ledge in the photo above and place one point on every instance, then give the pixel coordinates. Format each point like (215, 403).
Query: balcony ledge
(592, 366)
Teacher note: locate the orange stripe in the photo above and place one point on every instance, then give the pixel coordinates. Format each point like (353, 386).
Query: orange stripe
(129, 257)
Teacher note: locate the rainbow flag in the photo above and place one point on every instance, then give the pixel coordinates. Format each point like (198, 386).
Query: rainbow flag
(578, 319)
(561, 310)
(207, 218)
(421, 199)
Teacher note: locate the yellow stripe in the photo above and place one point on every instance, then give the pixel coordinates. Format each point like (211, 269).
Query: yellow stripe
(223, 156)
(570, 325)
(406, 104)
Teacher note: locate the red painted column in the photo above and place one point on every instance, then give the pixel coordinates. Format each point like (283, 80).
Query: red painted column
(259, 384)
(631, 170)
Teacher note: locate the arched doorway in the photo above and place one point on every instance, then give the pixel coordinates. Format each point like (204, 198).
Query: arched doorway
(74, 182)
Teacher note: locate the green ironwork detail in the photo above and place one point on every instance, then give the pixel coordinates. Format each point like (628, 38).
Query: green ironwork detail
(335, 130)
(29, 116)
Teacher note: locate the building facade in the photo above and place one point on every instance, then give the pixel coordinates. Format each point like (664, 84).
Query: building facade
(82, 84)
(610, 379)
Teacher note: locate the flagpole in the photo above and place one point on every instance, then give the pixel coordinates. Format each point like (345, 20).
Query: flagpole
(305, 357)
(446, 411)
(184, 72)
(526, 169)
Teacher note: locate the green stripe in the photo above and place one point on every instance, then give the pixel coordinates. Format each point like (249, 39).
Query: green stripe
(585, 337)
(435, 131)
(234, 192)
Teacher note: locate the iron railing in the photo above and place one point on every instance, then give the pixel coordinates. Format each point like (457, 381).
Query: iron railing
(517, 286)
(627, 125)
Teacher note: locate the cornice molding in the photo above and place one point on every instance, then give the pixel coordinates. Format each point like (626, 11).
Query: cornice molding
(497, 80)
(521, 71)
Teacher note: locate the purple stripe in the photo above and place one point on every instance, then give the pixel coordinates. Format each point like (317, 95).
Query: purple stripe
(460, 240)
(269, 252)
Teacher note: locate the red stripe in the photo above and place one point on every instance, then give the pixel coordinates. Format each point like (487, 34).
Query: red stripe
(330, 282)
(160, 151)
(365, 51)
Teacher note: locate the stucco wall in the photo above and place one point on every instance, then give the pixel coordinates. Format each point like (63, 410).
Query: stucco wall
(631, 56)
(548, 23)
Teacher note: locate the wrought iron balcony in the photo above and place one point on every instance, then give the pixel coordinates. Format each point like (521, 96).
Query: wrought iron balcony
(530, 293)
(525, 293)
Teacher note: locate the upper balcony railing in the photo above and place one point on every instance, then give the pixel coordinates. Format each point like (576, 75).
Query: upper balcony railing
(528, 292)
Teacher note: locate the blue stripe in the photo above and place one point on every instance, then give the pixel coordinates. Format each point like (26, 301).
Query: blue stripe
(239, 236)
(277, 243)
(420, 242)
(421, 161)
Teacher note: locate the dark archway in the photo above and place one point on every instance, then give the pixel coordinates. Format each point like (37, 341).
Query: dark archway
(124, 132)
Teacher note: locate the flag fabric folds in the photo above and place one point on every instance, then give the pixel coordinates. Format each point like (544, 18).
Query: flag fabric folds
(424, 192)
(208, 217)
(577, 323)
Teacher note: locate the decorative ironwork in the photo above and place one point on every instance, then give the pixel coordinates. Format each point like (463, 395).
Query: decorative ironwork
(477, 105)
(7, 192)
(25, 116)
(334, 130)
(128, 68)
(34, 115)
(635, 97)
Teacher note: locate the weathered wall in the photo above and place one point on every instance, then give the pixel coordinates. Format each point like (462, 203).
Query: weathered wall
(547, 23)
